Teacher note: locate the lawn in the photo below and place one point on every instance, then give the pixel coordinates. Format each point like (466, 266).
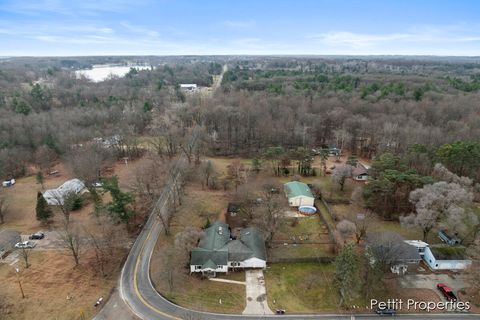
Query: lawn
(194, 292)
(301, 287)
(308, 229)
(280, 251)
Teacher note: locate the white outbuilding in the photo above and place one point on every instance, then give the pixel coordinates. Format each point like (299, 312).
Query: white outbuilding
(55, 197)
(188, 86)
(298, 194)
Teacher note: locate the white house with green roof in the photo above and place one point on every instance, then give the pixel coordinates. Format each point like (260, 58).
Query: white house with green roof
(218, 252)
(298, 194)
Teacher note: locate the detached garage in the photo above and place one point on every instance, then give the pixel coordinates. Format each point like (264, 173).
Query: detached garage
(298, 194)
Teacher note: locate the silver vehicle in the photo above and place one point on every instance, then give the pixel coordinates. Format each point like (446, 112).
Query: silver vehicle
(25, 245)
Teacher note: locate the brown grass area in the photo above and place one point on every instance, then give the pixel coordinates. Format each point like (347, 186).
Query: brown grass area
(471, 295)
(349, 212)
(51, 277)
(48, 282)
(22, 198)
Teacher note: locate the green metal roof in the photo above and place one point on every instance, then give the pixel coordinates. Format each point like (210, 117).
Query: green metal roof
(238, 251)
(209, 265)
(253, 239)
(216, 236)
(296, 189)
(216, 248)
(200, 256)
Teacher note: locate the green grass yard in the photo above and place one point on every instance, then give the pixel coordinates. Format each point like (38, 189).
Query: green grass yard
(301, 287)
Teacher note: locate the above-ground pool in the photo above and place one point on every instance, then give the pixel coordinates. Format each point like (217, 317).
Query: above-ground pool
(307, 210)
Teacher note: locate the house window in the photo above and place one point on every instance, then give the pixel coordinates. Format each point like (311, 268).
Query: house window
(198, 267)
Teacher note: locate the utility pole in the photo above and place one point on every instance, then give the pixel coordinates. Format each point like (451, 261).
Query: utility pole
(17, 271)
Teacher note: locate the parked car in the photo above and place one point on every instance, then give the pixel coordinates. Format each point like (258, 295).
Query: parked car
(445, 237)
(25, 245)
(8, 183)
(447, 292)
(385, 311)
(37, 236)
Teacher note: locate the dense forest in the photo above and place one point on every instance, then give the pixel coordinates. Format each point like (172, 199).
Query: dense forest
(414, 107)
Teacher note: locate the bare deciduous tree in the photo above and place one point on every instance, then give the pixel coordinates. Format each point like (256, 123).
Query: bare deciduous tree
(25, 253)
(65, 202)
(103, 237)
(208, 174)
(71, 240)
(236, 172)
(386, 247)
(44, 157)
(341, 173)
(186, 240)
(268, 214)
(148, 178)
(347, 229)
(3, 208)
(86, 163)
(435, 203)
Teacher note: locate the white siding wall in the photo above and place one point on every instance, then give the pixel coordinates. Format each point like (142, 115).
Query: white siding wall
(255, 263)
(219, 269)
(435, 264)
(361, 178)
(301, 201)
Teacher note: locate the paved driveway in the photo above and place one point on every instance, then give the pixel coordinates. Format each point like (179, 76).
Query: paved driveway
(430, 281)
(256, 293)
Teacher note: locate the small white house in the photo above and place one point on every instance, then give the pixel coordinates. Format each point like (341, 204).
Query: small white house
(188, 86)
(420, 245)
(360, 172)
(298, 194)
(56, 196)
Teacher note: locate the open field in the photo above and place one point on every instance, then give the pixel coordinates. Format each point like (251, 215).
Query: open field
(53, 288)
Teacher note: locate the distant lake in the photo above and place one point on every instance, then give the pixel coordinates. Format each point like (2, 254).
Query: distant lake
(102, 72)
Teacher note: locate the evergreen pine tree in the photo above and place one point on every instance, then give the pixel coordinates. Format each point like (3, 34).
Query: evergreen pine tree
(43, 211)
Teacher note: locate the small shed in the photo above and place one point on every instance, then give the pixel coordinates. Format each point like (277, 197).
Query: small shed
(298, 194)
(8, 239)
(188, 86)
(55, 197)
(360, 172)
